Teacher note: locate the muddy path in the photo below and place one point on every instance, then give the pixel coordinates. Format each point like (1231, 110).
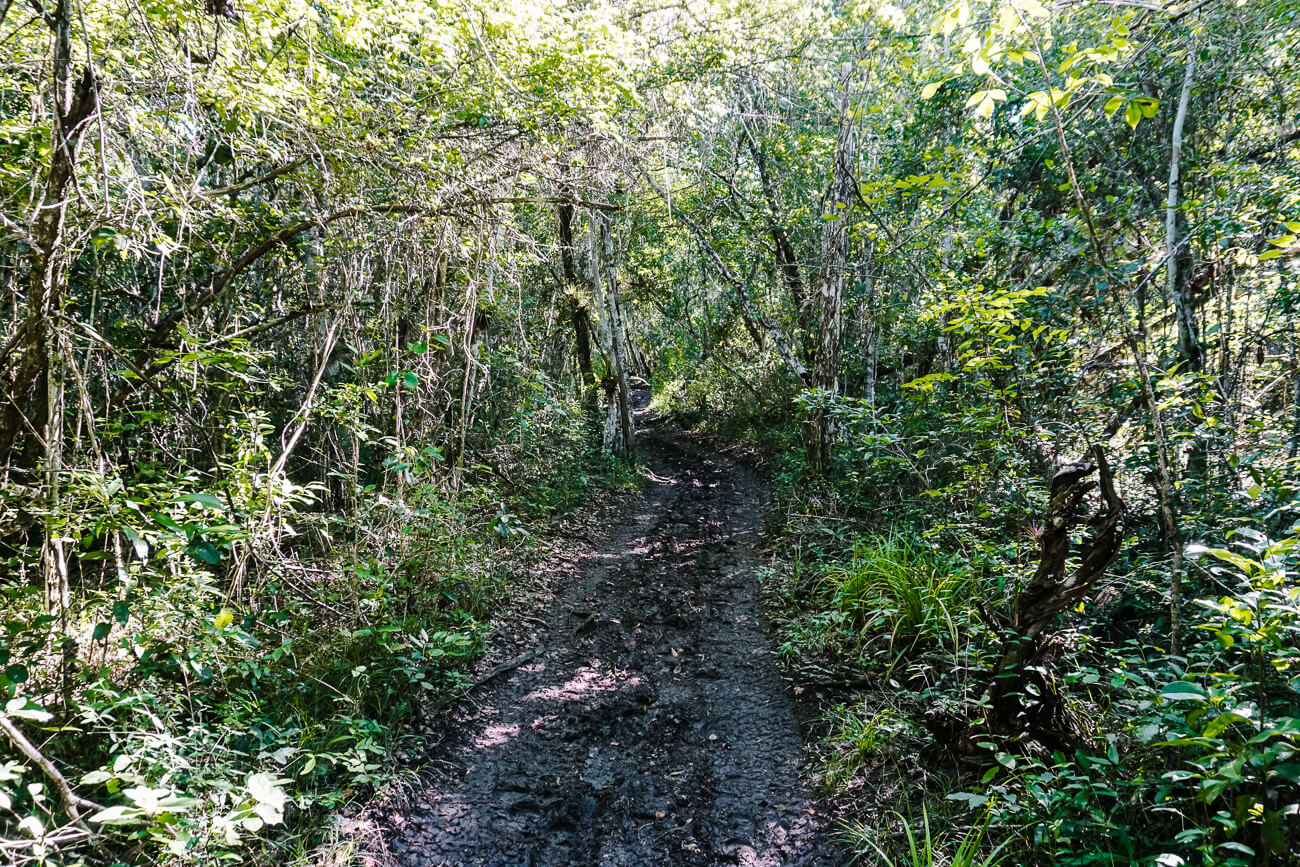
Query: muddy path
(652, 726)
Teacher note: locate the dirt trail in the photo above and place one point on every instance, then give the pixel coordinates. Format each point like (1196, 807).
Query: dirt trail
(652, 728)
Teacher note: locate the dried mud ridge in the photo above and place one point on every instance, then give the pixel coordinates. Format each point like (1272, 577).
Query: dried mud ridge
(652, 727)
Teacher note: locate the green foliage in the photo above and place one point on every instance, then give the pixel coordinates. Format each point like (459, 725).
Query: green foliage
(291, 384)
(900, 593)
(1237, 742)
(204, 723)
(925, 850)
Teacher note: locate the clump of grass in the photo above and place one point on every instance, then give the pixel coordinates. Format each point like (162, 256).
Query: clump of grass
(926, 849)
(897, 590)
(860, 734)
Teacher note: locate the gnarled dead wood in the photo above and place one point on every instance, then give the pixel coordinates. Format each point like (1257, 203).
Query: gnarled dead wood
(1023, 700)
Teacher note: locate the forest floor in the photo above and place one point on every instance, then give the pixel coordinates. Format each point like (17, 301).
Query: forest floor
(647, 723)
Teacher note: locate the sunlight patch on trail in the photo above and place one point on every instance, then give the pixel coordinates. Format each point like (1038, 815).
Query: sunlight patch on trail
(588, 680)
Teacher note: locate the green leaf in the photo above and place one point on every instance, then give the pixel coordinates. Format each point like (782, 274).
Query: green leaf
(22, 708)
(1113, 104)
(121, 611)
(1133, 114)
(970, 799)
(265, 790)
(1221, 722)
(223, 619)
(119, 815)
(1181, 690)
(207, 552)
(927, 93)
(208, 501)
(1240, 848)
(1245, 564)
(177, 804)
(138, 542)
(101, 632)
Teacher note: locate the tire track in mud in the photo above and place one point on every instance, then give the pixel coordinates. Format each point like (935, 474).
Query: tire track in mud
(653, 728)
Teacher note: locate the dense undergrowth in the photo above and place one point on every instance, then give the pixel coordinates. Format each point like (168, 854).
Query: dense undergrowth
(890, 602)
(244, 669)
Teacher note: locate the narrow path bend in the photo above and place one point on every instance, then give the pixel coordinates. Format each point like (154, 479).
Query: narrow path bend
(653, 729)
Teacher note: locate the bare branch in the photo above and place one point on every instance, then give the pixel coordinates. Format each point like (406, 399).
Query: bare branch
(279, 171)
(72, 802)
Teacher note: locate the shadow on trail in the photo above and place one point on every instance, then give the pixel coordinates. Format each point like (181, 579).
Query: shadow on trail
(653, 728)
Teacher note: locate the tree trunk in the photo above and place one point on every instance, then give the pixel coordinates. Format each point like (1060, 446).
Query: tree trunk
(75, 101)
(1177, 259)
(870, 360)
(825, 372)
(604, 285)
(577, 311)
(869, 335)
(1293, 360)
(1164, 482)
(787, 263)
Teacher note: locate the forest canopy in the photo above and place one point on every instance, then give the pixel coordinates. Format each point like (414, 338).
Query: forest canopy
(318, 315)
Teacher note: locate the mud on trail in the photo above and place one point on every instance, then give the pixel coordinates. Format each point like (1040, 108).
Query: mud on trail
(652, 726)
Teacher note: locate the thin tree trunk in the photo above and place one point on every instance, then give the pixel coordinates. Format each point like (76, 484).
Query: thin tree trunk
(1164, 484)
(578, 315)
(1293, 360)
(870, 350)
(787, 263)
(604, 266)
(75, 101)
(1189, 347)
(1176, 263)
(825, 372)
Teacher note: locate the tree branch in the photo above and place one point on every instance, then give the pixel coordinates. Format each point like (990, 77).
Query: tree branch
(279, 171)
(72, 802)
(1272, 147)
(224, 278)
(748, 308)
